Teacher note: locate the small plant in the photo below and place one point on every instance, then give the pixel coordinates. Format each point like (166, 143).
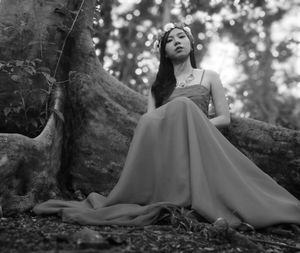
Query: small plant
(181, 218)
(25, 108)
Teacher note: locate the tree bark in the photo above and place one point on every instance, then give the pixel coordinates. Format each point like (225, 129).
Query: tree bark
(86, 151)
(276, 150)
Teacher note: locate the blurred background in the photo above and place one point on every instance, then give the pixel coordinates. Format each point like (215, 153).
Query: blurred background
(253, 45)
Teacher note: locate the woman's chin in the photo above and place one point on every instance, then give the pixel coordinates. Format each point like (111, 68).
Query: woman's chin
(180, 57)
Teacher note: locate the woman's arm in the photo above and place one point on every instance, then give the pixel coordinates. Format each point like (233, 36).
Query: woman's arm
(219, 100)
(151, 102)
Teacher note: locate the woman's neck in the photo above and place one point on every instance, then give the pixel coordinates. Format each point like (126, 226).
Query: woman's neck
(182, 68)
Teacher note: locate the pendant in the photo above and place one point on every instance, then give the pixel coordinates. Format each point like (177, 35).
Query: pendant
(181, 84)
(189, 79)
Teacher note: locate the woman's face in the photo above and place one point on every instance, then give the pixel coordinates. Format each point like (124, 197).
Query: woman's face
(178, 45)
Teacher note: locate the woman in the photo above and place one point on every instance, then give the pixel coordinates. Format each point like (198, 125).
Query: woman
(178, 157)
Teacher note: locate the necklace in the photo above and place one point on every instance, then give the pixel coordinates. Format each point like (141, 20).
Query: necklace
(186, 81)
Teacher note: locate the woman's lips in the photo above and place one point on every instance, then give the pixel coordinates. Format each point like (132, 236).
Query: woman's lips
(178, 48)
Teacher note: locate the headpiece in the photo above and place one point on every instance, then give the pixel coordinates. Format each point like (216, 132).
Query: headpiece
(167, 28)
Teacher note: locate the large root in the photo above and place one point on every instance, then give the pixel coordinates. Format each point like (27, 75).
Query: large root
(29, 166)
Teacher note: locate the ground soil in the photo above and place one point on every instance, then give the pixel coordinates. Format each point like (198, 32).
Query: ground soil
(29, 233)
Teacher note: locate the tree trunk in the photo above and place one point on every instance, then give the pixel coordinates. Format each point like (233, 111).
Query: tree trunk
(166, 15)
(85, 150)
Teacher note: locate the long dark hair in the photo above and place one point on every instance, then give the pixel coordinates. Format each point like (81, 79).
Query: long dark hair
(165, 81)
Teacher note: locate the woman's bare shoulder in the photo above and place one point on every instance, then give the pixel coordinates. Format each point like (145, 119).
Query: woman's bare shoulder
(211, 73)
(208, 73)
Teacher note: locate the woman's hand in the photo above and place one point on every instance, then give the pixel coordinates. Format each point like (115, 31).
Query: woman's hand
(220, 121)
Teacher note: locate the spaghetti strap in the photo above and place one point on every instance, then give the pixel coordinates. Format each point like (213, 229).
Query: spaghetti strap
(202, 77)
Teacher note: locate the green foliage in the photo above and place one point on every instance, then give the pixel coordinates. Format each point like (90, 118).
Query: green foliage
(25, 108)
(27, 83)
(263, 59)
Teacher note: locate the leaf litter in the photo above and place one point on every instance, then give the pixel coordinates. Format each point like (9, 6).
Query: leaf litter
(178, 230)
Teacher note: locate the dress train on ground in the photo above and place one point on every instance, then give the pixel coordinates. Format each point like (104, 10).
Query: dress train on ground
(177, 157)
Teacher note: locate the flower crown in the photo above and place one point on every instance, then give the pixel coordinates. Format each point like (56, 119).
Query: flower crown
(168, 27)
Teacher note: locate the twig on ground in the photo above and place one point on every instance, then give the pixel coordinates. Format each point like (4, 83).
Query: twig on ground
(280, 244)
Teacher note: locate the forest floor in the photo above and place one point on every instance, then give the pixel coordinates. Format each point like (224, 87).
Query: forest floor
(29, 233)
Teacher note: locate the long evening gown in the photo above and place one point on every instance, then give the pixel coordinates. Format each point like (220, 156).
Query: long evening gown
(177, 157)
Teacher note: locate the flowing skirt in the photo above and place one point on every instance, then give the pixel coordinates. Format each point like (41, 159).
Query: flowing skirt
(177, 157)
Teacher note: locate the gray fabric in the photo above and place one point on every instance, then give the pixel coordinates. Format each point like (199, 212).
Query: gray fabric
(177, 157)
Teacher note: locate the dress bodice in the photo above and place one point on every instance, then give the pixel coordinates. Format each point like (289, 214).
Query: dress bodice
(198, 93)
